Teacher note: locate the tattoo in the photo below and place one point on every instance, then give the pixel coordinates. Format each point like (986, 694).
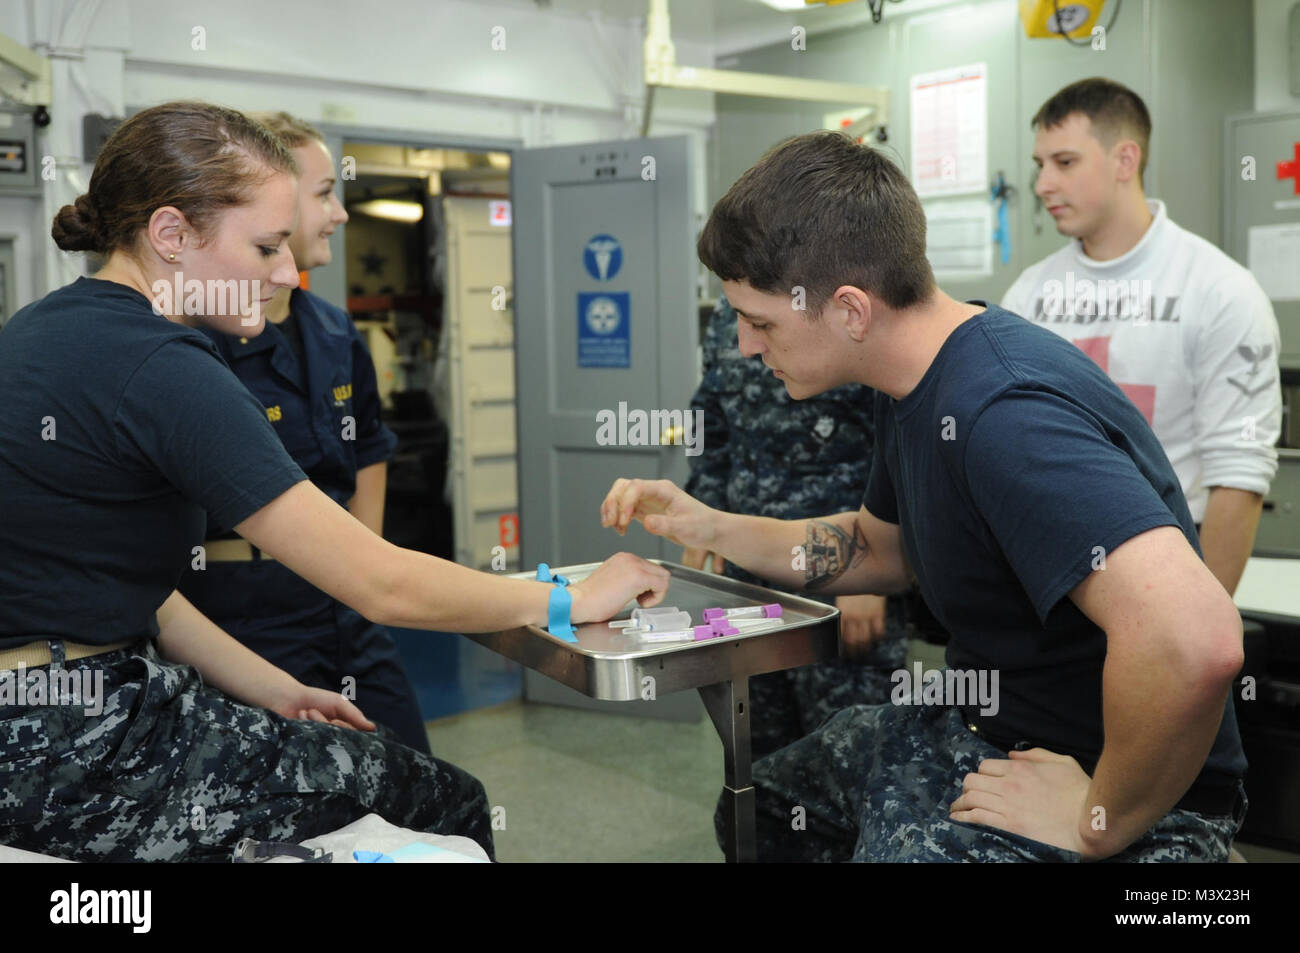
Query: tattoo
(831, 551)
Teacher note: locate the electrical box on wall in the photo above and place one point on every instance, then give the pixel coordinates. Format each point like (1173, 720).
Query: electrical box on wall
(95, 130)
(19, 164)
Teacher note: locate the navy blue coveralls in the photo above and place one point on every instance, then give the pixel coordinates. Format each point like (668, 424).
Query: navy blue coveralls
(327, 416)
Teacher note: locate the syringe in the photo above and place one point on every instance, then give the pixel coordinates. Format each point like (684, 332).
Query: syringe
(667, 622)
(640, 616)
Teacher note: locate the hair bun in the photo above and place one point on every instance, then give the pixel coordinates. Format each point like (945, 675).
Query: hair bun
(77, 227)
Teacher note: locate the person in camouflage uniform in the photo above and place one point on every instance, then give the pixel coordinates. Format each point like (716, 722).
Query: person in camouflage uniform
(195, 742)
(894, 771)
(768, 455)
(1044, 524)
(172, 770)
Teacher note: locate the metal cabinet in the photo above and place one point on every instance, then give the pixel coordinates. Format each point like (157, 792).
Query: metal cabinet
(1262, 194)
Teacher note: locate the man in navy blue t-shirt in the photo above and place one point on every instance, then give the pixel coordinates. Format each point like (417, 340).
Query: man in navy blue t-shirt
(1084, 713)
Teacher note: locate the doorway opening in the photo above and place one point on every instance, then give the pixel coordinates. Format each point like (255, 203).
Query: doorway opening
(427, 279)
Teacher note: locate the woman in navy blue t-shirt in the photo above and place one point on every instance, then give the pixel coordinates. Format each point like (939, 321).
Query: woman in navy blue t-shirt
(131, 726)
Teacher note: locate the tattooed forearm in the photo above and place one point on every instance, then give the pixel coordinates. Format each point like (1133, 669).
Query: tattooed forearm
(830, 551)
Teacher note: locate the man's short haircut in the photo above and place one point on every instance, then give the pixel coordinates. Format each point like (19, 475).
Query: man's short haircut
(819, 211)
(1115, 110)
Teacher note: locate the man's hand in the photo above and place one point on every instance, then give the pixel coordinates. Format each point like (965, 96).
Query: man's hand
(1036, 794)
(617, 580)
(318, 704)
(862, 622)
(700, 559)
(663, 509)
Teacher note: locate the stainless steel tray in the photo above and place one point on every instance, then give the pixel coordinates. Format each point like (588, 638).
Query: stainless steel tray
(607, 664)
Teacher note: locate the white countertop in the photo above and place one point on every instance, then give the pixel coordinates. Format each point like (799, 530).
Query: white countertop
(1270, 585)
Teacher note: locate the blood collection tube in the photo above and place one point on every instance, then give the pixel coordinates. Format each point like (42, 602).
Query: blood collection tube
(677, 635)
(770, 611)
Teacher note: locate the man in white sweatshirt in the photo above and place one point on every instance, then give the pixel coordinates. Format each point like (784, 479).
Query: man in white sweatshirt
(1185, 331)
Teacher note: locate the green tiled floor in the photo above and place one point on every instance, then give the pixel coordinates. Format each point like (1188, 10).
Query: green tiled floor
(587, 786)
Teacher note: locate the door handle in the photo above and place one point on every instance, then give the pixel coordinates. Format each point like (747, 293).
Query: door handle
(672, 436)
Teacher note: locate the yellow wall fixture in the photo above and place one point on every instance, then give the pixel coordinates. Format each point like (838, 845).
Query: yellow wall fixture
(1077, 17)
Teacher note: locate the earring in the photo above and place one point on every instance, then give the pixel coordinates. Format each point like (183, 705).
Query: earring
(171, 257)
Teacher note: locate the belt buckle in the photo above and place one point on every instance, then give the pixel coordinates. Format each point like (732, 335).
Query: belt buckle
(250, 851)
(245, 852)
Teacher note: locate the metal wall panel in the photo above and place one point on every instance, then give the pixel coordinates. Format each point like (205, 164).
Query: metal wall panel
(1264, 200)
(564, 198)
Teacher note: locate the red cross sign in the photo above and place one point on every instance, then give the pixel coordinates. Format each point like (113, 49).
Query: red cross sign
(1291, 170)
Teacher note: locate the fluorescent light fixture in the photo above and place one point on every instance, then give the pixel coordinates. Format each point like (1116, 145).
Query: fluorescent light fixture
(784, 4)
(391, 209)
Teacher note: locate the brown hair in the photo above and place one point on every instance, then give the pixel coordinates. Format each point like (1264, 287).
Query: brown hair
(195, 156)
(290, 130)
(1114, 110)
(821, 211)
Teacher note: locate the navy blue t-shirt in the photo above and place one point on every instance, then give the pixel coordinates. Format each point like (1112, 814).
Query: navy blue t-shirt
(1010, 469)
(120, 430)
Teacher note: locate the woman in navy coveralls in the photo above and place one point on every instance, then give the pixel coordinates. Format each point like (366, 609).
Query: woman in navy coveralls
(313, 374)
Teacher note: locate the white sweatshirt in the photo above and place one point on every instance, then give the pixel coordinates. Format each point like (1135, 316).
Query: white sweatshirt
(1188, 334)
